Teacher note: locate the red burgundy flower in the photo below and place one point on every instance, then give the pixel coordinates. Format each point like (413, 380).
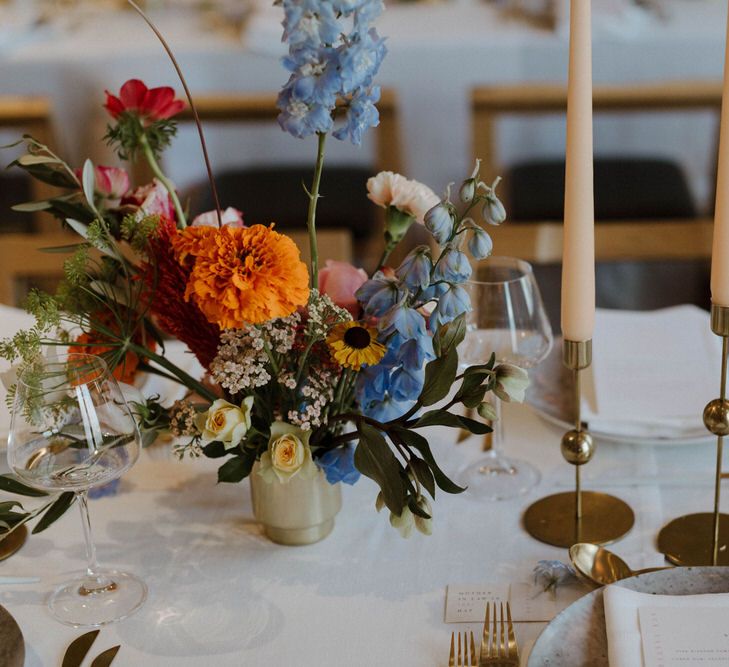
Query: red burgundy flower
(151, 104)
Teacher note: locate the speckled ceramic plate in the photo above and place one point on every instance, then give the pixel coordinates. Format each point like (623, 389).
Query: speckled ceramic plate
(12, 645)
(552, 395)
(576, 637)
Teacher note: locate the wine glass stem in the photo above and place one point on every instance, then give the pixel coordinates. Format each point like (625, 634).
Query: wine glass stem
(497, 437)
(94, 583)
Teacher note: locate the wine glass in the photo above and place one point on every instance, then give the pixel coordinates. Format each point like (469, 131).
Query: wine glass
(71, 430)
(508, 319)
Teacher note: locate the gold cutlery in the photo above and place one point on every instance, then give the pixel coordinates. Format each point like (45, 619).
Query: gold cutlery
(463, 660)
(79, 648)
(498, 644)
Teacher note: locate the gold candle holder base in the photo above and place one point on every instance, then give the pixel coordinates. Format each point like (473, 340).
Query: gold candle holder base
(10, 544)
(605, 519)
(567, 518)
(689, 540)
(701, 539)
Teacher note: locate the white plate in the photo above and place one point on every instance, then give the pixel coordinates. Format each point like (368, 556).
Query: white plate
(551, 395)
(577, 637)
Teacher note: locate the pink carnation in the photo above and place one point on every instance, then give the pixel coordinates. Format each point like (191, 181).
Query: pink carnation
(152, 199)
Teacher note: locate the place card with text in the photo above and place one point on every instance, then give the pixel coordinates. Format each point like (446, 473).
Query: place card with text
(467, 604)
(681, 637)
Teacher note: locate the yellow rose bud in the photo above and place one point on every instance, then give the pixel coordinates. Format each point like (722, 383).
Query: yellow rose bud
(288, 454)
(225, 422)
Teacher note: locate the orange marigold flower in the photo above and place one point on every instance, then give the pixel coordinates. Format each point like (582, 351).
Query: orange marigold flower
(242, 275)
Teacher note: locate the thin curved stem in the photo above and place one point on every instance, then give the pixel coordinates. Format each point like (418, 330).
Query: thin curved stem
(157, 171)
(193, 108)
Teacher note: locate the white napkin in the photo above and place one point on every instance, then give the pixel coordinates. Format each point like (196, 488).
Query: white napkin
(653, 372)
(622, 625)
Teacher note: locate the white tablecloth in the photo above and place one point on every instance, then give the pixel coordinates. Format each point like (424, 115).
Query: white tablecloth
(219, 591)
(437, 54)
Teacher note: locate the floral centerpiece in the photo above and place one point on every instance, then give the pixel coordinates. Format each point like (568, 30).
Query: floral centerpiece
(311, 373)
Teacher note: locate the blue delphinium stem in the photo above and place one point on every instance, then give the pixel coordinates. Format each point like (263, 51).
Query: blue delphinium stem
(311, 219)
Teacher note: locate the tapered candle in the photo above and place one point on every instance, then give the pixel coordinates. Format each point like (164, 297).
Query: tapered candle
(720, 249)
(578, 257)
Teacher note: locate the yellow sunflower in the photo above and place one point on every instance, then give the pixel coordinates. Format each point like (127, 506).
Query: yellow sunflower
(353, 345)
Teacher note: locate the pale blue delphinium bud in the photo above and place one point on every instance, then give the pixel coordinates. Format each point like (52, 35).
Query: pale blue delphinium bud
(409, 323)
(415, 268)
(379, 294)
(453, 266)
(493, 210)
(453, 302)
(511, 383)
(480, 243)
(467, 191)
(439, 222)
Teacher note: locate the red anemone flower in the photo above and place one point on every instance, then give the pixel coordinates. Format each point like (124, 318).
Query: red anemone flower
(151, 104)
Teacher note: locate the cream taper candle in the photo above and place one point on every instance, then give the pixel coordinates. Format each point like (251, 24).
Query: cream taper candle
(720, 248)
(578, 257)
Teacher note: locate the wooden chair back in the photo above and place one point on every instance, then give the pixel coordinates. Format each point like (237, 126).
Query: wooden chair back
(541, 242)
(32, 115)
(22, 264)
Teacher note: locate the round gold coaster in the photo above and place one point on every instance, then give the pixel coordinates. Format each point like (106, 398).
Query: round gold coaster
(604, 519)
(689, 540)
(13, 542)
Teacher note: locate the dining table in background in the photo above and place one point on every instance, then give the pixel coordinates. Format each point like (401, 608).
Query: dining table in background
(438, 53)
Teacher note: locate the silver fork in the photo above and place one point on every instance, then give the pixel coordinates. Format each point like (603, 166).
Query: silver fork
(498, 644)
(463, 660)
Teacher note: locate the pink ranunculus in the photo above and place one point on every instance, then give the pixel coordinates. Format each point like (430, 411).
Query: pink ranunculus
(339, 281)
(152, 199)
(112, 182)
(231, 217)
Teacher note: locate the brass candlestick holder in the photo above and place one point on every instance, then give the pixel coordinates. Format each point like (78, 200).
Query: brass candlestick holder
(701, 539)
(567, 518)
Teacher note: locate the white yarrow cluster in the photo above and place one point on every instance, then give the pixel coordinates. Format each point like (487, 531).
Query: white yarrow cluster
(323, 314)
(241, 361)
(318, 392)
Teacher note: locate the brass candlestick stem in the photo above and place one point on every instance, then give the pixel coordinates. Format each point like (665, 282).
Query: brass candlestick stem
(701, 539)
(568, 518)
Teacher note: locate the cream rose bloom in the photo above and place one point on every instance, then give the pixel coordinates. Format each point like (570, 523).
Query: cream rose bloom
(288, 454)
(390, 189)
(225, 422)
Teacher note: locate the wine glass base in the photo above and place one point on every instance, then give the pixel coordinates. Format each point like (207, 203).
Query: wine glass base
(76, 605)
(499, 478)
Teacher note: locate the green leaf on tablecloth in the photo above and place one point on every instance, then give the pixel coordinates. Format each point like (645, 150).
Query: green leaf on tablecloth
(12, 484)
(449, 336)
(374, 459)
(439, 377)
(237, 468)
(417, 441)
(55, 511)
(424, 474)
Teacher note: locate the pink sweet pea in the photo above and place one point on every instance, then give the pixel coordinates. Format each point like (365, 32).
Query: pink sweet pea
(150, 104)
(231, 217)
(110, 182)
(152, 199)
(339, 281)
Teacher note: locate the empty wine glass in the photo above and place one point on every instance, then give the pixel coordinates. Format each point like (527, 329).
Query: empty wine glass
(508, 319)
(71, 430)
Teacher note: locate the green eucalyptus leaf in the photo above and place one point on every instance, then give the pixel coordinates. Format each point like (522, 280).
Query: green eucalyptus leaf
(424, 474)
(63, 249)
(32, 206)
(52, 173)
(439, 377)
(12, 484)
(449, 336)
(55, 511)
(374, 459)
(29, 160)
(79, 227)
(236, 469)
(418, 442)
